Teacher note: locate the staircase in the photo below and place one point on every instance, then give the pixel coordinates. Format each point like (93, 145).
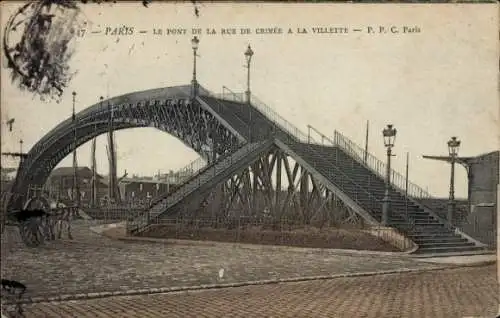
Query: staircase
(345, 169)
(249, 122)
(440, 207)
(200, 183)
(430, 233)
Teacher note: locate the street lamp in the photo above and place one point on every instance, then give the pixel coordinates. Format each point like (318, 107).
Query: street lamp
(194, 43)
(453, 146)
(389, 134)
(248, 57)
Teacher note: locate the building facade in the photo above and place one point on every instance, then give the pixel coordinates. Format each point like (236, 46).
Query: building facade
(59, 185)
(142, 189)
(483, 182)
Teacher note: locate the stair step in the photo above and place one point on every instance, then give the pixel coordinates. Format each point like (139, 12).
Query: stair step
(418, 235)
(427, 239)
(444, 244)
(460, 253)
(432, 229)
(436, 250)
(428, 222)
(414, 217)
(423, 227)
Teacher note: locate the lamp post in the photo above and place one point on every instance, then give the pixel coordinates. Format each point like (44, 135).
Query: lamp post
(389, 134)
(194, 43)
(20, 153)
(248, 57)
(453, 146)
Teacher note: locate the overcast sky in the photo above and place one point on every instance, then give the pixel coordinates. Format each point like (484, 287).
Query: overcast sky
(431, 85)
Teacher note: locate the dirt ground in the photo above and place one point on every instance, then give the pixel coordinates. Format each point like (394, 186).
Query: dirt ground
(310, 237)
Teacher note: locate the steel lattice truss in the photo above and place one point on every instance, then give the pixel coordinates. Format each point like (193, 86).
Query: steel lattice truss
(168, 109)
(273, 186)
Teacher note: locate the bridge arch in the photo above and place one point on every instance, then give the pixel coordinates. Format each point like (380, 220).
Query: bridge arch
(168, 109)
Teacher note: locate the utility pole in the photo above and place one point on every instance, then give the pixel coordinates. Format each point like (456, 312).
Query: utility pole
(366, 141)
(406, 185)
(76, 188)
(93, 197)
(112, 186)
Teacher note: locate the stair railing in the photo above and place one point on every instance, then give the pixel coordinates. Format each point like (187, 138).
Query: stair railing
(192, 185)
(323, 136)
(183, 174)
(200, 169)
(229, 95)
(189, 170)
(219, 106)
(378, 167)
(267, 111)
(374, 164)
(278, 120)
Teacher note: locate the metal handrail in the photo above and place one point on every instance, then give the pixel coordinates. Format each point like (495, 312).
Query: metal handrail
(193, 184)
(378, 167)
(192, 176)
(323, 136)
(185, 173)
(190, 169)
(220, 107)
(267, 111)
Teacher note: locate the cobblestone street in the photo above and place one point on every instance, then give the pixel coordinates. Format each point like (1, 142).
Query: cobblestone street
(93, 263)
(469, 291)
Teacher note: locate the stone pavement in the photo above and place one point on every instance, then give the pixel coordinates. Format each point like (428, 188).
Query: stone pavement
(454, 293)
(95, 264)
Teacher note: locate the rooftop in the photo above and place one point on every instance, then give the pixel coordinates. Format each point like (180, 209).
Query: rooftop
(68, 171)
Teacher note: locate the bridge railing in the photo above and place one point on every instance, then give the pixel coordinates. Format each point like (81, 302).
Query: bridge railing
(273, 116)
(373, 164)
(228, 94)
(278, 120)
(189, 170)
(183, 175)
(219, 107)
(222, 164)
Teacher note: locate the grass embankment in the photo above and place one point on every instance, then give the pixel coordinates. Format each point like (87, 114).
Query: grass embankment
(333, 238)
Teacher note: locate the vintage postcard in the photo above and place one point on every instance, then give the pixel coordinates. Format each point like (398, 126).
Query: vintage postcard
(217, 159)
